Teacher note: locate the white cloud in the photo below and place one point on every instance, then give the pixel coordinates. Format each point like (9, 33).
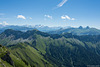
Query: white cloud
(48, 16)
(64, 17)
(5, 23)
(21, 16)
(73, 18)
(30, 18)
(62, 3)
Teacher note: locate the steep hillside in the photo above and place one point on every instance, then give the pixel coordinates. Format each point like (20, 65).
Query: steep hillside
(3, 54)
(39, 49)
(7, 59)
(29, 55)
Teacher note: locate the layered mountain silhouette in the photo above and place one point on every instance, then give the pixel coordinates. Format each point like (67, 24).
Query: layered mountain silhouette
(54, 30)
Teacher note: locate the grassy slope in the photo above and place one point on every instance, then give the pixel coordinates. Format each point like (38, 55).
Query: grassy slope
(61, 52)
(29, 55)
(17, 62)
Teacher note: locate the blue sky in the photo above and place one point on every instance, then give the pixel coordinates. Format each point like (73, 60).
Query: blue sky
(50, 12)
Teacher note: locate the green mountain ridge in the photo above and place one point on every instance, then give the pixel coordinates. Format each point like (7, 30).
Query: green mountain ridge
(39, 49)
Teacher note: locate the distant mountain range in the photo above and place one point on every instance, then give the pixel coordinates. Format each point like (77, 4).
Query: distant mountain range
(28, 27)
(53, 30)
(34, 48)
(77, 31)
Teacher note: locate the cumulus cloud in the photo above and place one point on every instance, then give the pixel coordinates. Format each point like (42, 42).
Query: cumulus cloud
(48, 16)
(62, 3)
(21, 16)
(64, 17)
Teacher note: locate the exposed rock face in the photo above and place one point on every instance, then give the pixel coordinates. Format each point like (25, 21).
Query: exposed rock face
(7, 58)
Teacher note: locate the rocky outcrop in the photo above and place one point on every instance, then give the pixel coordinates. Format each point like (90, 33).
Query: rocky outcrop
(7, 58)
